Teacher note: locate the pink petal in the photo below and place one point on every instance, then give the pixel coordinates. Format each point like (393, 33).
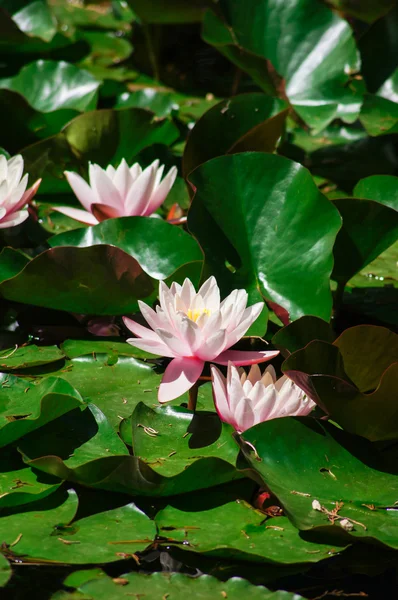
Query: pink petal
(211, 347)
(180, 375)
(82, 190)
(28, 195)
(241, 358)
(14, 218)
(150, 346)
(220, 395)
(78, 214)
(244, 415)
(178, 346)
(122, 179)
(141, 331)
(140, 193)
(105, 189)
(159, 195)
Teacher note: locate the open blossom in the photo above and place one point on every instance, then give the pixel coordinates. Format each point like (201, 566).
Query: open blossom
(192, 328)
(245, 400)
(122, 192)
(14, 196)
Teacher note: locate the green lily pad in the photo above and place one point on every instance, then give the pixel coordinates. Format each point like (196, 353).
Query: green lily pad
(369, 228)
(29, 356)
(26, 407)
(298, 334)
(245, 122)
(323, 463)
(175, 586)
(381, 188)
(77, 348)
(11, 262)
(115, 387)
(380, 272)
(293, 37)
(51, 533)
(19, 484)
(79, 280)
(236, 531)
(170, 248)
(36, 20)
(51, 85)
(181, 438)
(77, 438)
(5, 571)
(278, 243)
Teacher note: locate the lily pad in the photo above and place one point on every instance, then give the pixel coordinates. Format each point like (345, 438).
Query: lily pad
(323, 463)
(170, 247)
(79, 280)
(236, 531)
(29, 356)
(175, 585)
(51, 85)
(50, 532)
(293, 37)
(25, 407)
(181, 438)
(279, 230)
(5, 571)
(245, 122)
(19, 484)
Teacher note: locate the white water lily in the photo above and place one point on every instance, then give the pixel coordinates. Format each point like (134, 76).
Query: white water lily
(194, 327)
(246, 400)
(14, 196)
(122, 192)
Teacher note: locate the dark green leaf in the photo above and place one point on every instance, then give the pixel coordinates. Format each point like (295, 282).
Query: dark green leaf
(50, 533)
(381, 188)
(5, 570)
(26, 407)
(236, 531)
(29, 356)
(182, 438)
(300, 333)
(36, 20)
(369, 228)
(280, 225)
(247, 120)
(321, 462)
(308, 44)
(20, 484)
(177, 586)
(80, 280)
(170, 247)
(50, 85)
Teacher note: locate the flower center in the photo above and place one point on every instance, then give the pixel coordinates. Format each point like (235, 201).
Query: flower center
(195, 314)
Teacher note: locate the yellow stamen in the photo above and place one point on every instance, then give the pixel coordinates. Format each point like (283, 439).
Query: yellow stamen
(195, 314)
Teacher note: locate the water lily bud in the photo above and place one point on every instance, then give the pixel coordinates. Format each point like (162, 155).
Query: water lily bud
(246, 400)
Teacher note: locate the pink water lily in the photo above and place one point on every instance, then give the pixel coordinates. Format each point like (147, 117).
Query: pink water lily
(122, 192)
(192, 328)
(245, 400)
(14, 197)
